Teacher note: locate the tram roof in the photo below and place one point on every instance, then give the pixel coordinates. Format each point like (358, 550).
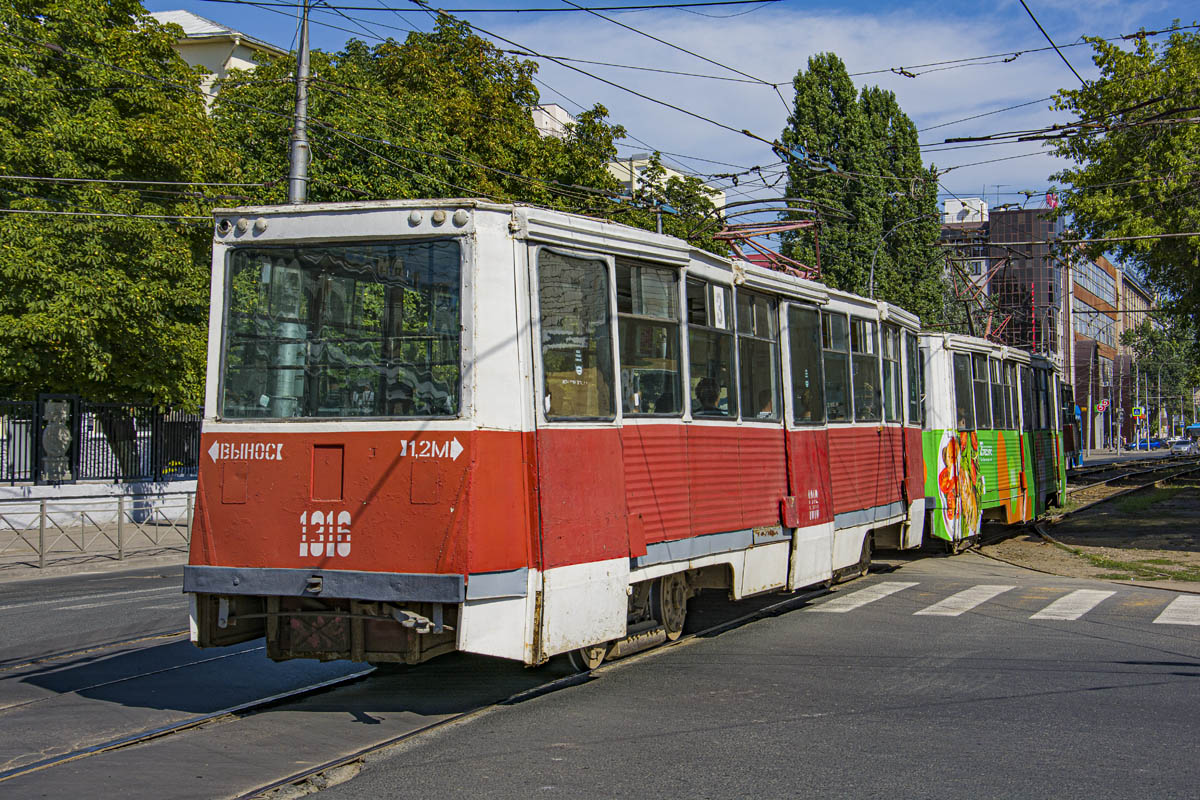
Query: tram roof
(580, 231)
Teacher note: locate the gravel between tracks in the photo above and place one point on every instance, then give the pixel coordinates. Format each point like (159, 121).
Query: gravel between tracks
(1150, 537)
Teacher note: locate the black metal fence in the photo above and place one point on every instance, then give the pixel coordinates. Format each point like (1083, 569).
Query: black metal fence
(63, 439)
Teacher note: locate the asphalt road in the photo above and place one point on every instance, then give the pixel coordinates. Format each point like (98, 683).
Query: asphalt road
(963, 678)
(942, 677)
(72, 612)
(90, 658)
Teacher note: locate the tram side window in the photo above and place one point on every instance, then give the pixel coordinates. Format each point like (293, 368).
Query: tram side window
(343, 330)
(576, 338)
(835, 354)
(865, 367)
(758, 356)
(964, 410)
(1011, 402)
(913, 368)
(804, 335)
(1039, 399)
(983, 418)
(1028, 423)
(999, 415)
(891, 373)
(648, 330)
(710, 350)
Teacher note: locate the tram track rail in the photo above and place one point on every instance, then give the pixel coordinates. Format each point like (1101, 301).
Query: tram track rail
(316, 775)
(141, 737)
(345, 767)
(1172, 468)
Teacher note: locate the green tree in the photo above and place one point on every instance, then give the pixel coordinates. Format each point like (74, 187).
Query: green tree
(854, 157)
(111, 307)
(1167, 355)
(443, 114)
(1137, 156)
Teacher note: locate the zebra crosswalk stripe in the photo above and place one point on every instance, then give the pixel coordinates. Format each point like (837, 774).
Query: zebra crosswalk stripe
(1183, 610)
(849, 602)
(963, 601)
(1073, 605)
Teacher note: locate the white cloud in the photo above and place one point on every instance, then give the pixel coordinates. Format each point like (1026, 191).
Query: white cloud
(774, 42)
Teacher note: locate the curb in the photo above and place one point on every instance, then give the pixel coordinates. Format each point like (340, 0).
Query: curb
(21, 571)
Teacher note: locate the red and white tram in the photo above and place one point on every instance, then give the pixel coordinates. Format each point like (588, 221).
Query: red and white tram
(456, 425)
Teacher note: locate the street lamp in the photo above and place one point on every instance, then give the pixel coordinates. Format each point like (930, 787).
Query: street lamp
(871, 276)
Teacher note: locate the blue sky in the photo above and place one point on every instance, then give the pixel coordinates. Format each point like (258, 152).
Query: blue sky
(771, 42)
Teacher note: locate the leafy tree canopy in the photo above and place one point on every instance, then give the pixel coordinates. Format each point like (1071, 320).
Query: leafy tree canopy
(110, 307)
(443, 114)
(878, 202)
(1138, 160)
(1167, 355)
(115, 307)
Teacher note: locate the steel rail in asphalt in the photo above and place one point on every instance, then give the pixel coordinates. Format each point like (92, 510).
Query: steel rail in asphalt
(33, 662)
(1174, 464)
(176, 727)
(66, 692)
(567, 681)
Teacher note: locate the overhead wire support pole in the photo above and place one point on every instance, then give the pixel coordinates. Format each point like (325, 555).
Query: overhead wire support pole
(300, 154)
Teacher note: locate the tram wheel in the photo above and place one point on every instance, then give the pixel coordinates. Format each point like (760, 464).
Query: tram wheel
(670, 603)
(586, 659)
(864, 560)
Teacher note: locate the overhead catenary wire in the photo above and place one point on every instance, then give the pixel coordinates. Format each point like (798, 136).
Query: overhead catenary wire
(692, 53)
(548, 9)
(101, 214)
(1051, 41)
(131, 182)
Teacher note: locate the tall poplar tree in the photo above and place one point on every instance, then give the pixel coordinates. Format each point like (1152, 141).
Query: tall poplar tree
(854, 156)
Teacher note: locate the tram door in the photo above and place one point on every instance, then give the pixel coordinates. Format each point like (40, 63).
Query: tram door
(584, 537)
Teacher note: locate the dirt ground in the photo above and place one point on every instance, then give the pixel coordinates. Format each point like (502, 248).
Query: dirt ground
(1151, 536)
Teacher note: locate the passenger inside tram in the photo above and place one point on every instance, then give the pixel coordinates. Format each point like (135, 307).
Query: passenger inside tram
(706, 395)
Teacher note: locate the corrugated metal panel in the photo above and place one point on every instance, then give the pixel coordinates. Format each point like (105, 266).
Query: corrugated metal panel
(713, 457)
(764, 475)
(916, 464)
(865, 467)
(581, 484)
(657, 485)
(811, 484)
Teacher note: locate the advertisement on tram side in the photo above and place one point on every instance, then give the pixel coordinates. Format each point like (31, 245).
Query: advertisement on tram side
(954, 482)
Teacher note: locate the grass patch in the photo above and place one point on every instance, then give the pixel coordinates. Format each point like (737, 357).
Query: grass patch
(1065, 506)
(1149, 569)
(1141, 501)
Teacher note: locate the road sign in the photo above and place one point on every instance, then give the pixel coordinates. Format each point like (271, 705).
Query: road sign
(1102, 406)
(1138, 411)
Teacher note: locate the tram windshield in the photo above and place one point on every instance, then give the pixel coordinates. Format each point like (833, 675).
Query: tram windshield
(343, 330)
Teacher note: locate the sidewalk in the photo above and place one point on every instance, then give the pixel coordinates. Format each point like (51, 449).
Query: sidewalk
(1109, 456)
(24, 568)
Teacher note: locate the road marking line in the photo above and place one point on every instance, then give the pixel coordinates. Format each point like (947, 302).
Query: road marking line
(849, 602)
(89, 597)
(105, 603)
(1073, 605)
(1183, 610)
(964, 601)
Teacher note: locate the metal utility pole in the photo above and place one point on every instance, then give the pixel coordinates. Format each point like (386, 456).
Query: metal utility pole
(300, 155)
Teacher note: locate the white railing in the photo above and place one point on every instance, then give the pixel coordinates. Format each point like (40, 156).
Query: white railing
(94, 525)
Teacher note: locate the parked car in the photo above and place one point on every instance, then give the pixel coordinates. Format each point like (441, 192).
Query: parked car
(1185, 447)
(1149, 444)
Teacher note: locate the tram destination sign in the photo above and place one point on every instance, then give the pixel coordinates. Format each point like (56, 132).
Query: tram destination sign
(246, 451)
